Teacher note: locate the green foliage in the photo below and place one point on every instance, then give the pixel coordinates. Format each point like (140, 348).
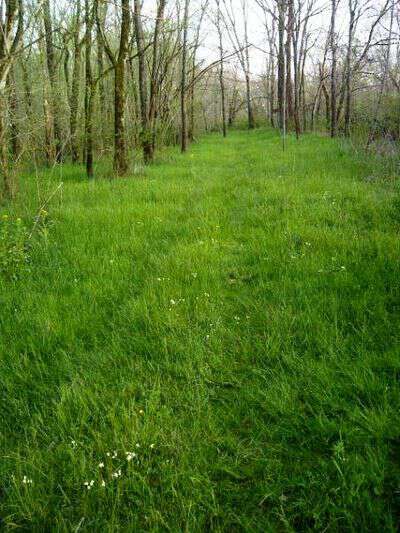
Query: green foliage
(383, 124)
(13, 247)
(234, 313)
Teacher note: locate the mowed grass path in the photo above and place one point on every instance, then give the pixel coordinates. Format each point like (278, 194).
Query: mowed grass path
(231, 321)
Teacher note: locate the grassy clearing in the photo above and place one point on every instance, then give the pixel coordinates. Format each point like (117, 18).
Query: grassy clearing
(232, 318)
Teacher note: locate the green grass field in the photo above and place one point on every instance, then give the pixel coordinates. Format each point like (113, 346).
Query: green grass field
(212, 345)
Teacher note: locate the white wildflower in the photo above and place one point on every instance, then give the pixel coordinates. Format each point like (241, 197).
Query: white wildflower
(89, 484)
(130, 456)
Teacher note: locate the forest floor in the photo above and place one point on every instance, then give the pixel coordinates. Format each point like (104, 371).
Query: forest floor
(211, 346)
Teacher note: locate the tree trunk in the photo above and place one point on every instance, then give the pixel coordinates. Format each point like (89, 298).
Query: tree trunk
(221, 70)
(15, 144)
(120, 158)
(250, 112)
(100, 75)
(250, 115)
(348, 74)
(289, 42)
(147, 144)
(281, 64)
(74, 102)
(4, 164)
(184, 137)
(89, 91)
(52, 70)
(333, 69)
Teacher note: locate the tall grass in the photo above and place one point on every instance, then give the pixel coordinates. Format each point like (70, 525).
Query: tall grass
(209, 345)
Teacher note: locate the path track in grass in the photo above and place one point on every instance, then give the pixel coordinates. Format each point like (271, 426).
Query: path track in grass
(237, 308)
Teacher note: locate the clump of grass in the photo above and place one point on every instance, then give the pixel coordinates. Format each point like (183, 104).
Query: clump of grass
(14, 255)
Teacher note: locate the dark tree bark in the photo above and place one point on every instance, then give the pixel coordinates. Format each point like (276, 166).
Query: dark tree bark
(75, 87)
(120, 156)
(348, 79)
(281, 64)
(184, 135)
(89, 91)
(288, 49)
(15, 144)
(119, 66)
(11, 33)
(100, 76)
(52, 71)
(333, 44)
(143, 90)
(148, 106)
(154, 78)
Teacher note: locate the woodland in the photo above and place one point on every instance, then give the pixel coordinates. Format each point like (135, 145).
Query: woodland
(199, 265)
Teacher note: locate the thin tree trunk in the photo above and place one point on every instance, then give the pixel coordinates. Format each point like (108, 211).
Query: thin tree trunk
(289, 42)
(147, 144)
(221, 70)
(348, 74)
(250, 112)
(120, 158)
(100, 75)
(184, 137)
(384, 80)
(89, 91)
(52, 70)
(281, 64)
(154, 81)
(4, 164)
(13, 113)
(76, 82)
(333, 69)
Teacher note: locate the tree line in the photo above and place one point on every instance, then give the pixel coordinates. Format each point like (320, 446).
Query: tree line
(85, 79)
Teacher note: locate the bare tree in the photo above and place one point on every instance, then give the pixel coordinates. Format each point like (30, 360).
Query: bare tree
(76, 82)
(241, 46)
(148, 106)
(218, 25)
(333, 46)
(11, 33)
(53, 78)
(89, 89)
(184, 136)
(118, 62)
